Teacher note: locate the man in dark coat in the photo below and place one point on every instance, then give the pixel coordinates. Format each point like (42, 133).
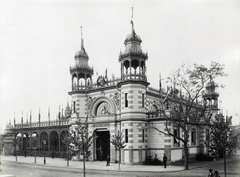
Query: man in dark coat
(165, 161)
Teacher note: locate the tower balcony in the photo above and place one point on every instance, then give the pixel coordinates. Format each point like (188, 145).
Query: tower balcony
(94, 86)
(136, 77)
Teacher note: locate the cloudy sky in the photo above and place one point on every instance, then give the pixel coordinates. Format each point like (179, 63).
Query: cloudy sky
(38, 41)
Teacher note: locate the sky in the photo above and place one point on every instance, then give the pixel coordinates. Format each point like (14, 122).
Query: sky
(38, 41)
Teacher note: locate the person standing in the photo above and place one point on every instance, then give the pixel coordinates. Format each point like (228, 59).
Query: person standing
(165, 161)
(25, 153)
(210, 174)
(216, 174)
(52, 154)
(108, 160)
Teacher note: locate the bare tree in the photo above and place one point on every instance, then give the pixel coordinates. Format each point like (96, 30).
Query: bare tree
(119, 143)
(82, 140)
(188, 87)
(35, 143)
(67, 139)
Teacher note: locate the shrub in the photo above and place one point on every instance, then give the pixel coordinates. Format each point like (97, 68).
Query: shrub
(150, 160)
(204, 157)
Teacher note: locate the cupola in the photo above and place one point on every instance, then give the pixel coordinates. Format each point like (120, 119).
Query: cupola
(81, 72)
(133, 59)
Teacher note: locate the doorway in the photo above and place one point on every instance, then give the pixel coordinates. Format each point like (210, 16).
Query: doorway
(102, 144)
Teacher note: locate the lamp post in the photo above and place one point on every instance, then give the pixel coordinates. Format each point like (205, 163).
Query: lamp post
(44, 143)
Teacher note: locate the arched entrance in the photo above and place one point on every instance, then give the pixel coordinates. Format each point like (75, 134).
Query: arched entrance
(102, 144)
(54, 141)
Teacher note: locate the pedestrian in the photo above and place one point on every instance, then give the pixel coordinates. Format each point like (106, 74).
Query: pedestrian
(53, 154)
(210, 174)
(165, 161)
(108, 160)
(25, 153)
(216, 174)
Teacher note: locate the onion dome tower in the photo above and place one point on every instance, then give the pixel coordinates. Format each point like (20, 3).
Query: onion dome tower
(133, 59)
(81, 72)
(211, 98)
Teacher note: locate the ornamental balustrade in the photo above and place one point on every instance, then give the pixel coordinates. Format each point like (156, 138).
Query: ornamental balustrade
(41, 124)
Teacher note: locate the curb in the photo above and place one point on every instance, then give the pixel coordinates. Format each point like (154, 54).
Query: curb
(79, 169)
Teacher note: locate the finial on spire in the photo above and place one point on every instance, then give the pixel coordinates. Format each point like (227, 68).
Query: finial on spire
(132, 12)
(81, 31)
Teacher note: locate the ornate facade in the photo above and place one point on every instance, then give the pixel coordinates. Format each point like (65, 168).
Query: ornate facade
(125, 104)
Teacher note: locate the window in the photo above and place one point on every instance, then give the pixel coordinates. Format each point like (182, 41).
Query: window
(193, 137)
(142, 100)
(207, 137)
(126, 100)
(175, 134)
(74, 107)
(175, 140)
(143, 135)
(126, 135)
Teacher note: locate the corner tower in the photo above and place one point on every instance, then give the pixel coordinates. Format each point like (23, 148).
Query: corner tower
(81, 72)
(81, 75)
(133, 82)
(133, 59)
(211, 98)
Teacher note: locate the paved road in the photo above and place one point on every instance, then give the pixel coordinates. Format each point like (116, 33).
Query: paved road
(198, 169)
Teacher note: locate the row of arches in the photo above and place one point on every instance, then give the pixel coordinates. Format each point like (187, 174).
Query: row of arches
(48, 141)
(211, 103)
(81, 80)
(133, 67)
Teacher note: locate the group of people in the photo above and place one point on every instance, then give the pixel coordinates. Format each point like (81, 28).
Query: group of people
(213, 174)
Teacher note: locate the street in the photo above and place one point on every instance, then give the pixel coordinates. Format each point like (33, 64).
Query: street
(196, 169)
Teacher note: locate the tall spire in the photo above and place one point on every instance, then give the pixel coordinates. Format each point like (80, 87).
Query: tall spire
(27, 118)
(22, 118)
(39, 116)
(30, 119)
(82, 42)
(160, 83)
(133, 30)
(14, 121)
(49, 113)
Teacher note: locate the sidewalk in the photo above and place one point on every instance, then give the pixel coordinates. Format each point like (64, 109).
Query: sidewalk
(95, 165)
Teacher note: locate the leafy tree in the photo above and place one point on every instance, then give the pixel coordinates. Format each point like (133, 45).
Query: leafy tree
(35, 143)
(220, 138)
(188, 87)
(119, 143)
(82, 140)
(67, 139)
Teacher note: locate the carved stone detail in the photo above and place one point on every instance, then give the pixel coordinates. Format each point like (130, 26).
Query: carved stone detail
(116, 99)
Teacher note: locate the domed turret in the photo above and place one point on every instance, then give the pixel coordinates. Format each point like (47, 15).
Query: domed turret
(9, 128)
(211, 97)
(133, 59)
(81, 72)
